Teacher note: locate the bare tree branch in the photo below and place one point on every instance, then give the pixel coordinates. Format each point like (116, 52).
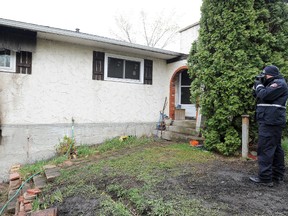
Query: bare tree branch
(143, 19)
(125, 28)
(156, 32)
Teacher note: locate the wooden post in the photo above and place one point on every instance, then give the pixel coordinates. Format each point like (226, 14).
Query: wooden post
(245, 135)
(198, 120)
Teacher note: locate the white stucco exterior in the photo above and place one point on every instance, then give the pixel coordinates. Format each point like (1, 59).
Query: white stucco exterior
(61, 87)
(36, 110)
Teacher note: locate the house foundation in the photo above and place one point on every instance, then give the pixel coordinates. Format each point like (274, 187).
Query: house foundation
(24, 144)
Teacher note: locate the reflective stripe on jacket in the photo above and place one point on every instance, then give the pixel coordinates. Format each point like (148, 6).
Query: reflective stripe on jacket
(271, 102)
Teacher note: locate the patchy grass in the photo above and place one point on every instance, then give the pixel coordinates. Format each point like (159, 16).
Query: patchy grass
(124, 180)
(143, 176)
(116, 143)
(153, 177)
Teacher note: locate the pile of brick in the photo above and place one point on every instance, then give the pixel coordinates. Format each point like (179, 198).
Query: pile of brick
(23, 194)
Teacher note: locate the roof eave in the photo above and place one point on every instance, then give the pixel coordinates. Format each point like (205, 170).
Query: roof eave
(89, 39)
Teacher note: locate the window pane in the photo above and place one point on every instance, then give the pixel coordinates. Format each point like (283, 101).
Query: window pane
(115, 67)
(5, 58)
(185, 79)
(185, 95)
(132, 70)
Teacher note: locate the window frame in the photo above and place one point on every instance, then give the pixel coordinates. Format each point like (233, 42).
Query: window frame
(12, 68)
(124, 58)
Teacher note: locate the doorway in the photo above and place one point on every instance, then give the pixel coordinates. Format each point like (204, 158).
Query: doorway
(180, 95)
(184, 98)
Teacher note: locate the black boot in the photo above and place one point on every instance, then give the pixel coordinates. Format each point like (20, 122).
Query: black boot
(257, 180)
(278, 180)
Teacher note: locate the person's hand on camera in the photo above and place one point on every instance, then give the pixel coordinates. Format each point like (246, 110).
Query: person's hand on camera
(256, 84)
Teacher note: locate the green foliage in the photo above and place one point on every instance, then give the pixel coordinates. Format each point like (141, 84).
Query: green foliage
(85, 150)
(66, 146)
(236, 40)
(56, 196)
(110, 207)
(30, 169)
(36, 205)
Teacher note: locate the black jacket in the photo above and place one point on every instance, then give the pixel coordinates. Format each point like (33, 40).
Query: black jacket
(271, 101)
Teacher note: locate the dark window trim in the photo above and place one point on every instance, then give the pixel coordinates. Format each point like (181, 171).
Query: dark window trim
(24, 62)
(148, 72)
(98, 65)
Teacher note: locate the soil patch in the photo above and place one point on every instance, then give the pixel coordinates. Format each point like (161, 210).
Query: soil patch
(218, 186)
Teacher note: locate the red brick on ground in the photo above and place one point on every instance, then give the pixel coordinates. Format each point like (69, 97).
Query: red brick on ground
(34, 191)
(26, 186)
(14, 176)
(22, 214)
(28, 196)
(15, 184)
(28, 207)
(20, 199)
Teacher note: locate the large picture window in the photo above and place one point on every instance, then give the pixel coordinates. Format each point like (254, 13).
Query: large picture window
(125, 69)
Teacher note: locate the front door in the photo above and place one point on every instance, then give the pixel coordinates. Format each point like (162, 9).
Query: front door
(184, 95)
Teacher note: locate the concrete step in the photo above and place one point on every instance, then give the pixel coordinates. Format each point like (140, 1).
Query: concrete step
(182, 130)
(169, 135)
(185, 123)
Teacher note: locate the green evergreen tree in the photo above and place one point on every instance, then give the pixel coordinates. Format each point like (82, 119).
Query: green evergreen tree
(236, 40)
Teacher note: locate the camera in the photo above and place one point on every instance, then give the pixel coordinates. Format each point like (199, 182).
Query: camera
(260, 77)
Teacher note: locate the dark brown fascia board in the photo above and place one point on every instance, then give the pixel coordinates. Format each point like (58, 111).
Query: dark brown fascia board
(178, 58)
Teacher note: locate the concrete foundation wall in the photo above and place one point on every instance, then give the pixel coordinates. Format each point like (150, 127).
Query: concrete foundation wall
(26, 144)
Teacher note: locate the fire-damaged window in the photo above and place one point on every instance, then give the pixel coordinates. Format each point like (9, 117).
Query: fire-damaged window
(7, 60)
(121, 68)
(16, 47)
(24, 62)
(15, 62)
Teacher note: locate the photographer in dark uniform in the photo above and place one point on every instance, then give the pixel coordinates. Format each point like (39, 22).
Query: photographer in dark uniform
(271, 93)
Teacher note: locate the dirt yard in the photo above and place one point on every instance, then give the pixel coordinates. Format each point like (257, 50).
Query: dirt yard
(180, 180)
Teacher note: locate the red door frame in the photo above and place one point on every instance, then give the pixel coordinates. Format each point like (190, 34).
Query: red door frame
(173, 91)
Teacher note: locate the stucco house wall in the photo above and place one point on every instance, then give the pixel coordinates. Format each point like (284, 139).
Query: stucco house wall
(187, 36)
(36, 110)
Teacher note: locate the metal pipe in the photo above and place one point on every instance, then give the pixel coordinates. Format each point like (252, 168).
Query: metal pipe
(245, 135)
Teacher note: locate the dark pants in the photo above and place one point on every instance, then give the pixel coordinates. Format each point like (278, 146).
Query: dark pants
(270, 152)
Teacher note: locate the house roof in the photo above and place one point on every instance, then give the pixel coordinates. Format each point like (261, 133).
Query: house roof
(190, 26)
(77, 37)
